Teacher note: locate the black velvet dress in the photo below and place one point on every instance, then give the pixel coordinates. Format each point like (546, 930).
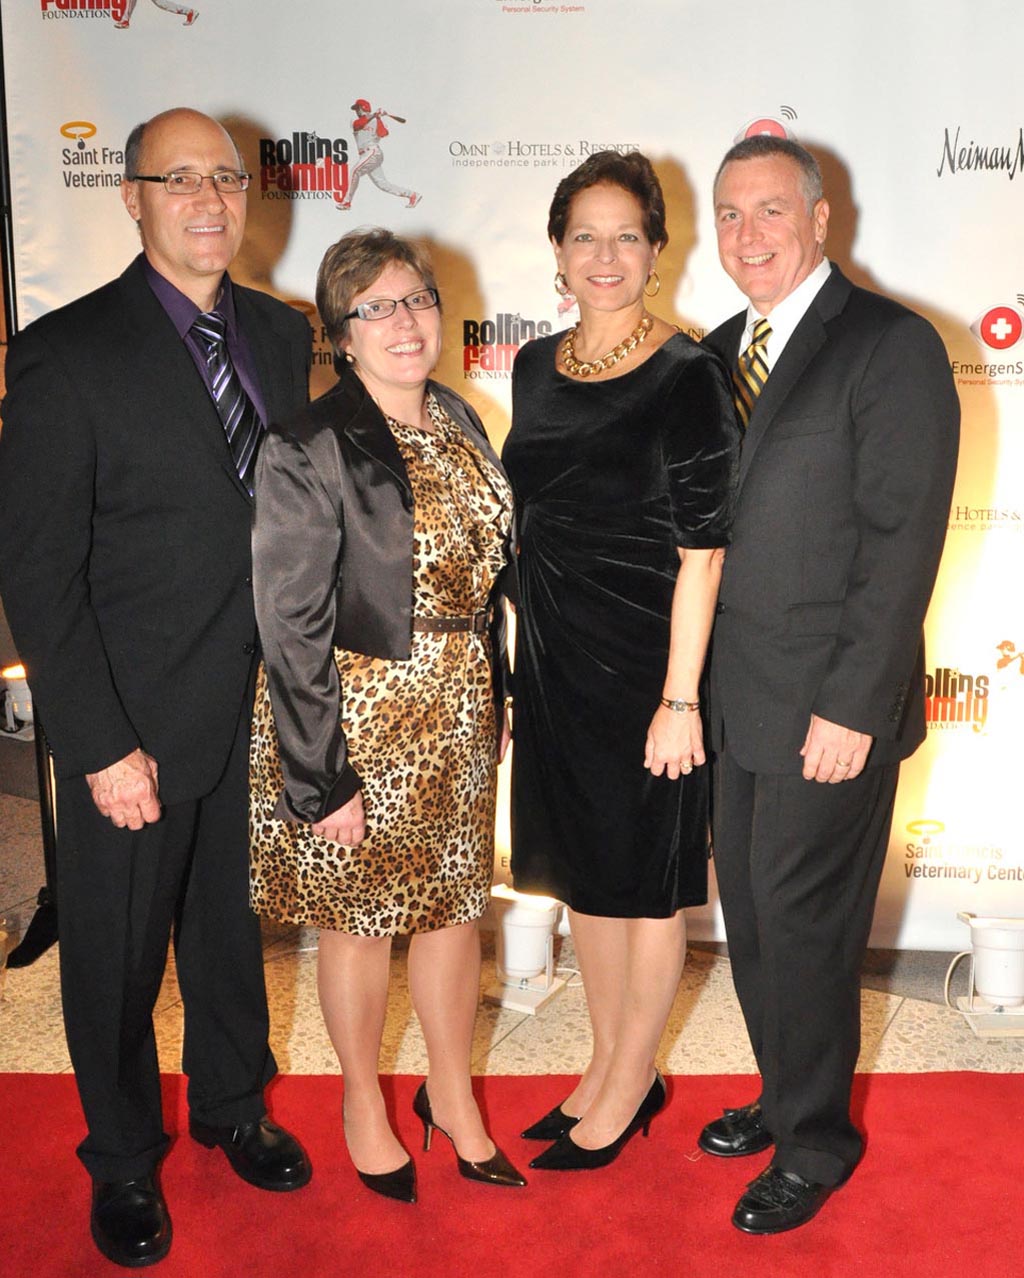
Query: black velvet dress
(609, 477)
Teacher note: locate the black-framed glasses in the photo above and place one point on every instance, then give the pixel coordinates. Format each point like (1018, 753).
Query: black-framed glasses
(185, 182)
(424, 299)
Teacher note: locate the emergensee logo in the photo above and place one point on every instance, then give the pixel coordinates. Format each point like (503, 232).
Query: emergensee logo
(1000, 327)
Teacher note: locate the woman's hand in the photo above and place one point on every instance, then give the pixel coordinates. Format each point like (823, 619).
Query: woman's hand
(346, 824)
(675, 743)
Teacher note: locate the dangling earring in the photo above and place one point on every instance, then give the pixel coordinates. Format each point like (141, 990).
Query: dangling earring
(561, 284)
(657, 284)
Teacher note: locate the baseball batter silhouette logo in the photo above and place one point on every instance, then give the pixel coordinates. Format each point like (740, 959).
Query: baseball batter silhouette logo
(369, 131)
(168, 6)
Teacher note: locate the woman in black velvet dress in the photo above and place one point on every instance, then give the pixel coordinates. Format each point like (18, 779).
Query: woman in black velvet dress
(622, 455)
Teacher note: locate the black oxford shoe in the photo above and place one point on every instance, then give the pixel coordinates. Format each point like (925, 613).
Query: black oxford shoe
(737, 1132)
(129, 1221)
(261, 1153)
(778, 1200)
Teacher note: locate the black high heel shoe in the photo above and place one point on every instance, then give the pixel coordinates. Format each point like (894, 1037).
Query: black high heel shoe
(555, 1123)
(399, 1184)
(496, 1170)
(566, 1155)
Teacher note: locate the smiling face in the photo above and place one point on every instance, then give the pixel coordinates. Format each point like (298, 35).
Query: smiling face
(604, 254)
(394, 355)
(189, 239)
(769, 241)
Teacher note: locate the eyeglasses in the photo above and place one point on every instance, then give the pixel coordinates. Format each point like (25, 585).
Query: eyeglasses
(184, 182)
(424, 299)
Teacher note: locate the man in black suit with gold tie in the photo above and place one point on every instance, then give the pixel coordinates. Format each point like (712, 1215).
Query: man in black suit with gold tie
(130, 429)
(849, 453)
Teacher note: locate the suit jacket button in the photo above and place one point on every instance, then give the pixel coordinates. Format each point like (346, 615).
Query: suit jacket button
(249, 648)
(720, 608)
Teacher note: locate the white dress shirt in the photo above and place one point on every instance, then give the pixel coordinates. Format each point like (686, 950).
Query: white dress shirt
(786, 315)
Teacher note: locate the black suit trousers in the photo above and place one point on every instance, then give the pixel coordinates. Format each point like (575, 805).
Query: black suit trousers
(798, 865)
(122, 894)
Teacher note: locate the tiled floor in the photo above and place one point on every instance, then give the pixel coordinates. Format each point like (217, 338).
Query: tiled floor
(905, 1025)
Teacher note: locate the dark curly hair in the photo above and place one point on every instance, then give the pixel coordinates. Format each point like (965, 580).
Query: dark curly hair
(633, 172)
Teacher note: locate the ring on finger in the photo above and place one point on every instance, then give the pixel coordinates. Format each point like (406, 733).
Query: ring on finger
(843, 763)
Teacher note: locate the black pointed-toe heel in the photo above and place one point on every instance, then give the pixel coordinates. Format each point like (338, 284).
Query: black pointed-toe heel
(399, 1184)
(566, 1155)
(496, 1170)
(555, 1123)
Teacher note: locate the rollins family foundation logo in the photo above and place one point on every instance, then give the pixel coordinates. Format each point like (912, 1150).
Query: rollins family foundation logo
(88, 164)
(119, 11)
(308, 166)
(115, 9)
(953, 699)
(304, 166)
(968, 156)
(489, 346)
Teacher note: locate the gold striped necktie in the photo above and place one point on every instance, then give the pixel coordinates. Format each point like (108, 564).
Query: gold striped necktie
(751, 372)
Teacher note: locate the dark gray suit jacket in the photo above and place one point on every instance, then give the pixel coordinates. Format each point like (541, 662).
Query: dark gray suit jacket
(845, 481)
(124, 530)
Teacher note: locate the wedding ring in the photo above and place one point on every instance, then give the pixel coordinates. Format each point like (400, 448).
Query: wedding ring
(842, 763)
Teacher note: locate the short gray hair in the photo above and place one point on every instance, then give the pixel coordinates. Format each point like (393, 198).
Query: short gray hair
(762, 145)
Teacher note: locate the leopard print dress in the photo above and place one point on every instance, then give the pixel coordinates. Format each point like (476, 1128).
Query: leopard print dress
(420, 732)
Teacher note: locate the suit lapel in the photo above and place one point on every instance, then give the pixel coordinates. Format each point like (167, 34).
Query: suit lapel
(366, 427)
(808, 338)
(166, 375)
(267, 347)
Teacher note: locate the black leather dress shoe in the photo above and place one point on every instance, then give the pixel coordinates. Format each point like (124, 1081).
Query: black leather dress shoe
(737, 1132)
(778, 1200)
(129, 1221)
(261, 1152)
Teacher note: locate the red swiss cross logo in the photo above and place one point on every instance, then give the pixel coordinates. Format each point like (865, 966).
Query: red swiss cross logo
(1000, 327)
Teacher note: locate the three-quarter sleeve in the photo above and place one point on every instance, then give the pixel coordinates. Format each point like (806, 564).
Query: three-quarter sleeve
(701, 446)
(297, 539)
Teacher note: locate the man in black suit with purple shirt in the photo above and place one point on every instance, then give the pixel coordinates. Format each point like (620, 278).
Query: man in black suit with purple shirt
(130, 427)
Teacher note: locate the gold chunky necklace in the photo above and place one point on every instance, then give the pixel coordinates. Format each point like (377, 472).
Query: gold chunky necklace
(589, 367)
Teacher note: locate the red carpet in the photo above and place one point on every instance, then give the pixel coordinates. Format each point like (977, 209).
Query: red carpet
(938, 1194)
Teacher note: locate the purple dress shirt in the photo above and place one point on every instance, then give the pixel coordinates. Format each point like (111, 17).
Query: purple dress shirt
(182, 311)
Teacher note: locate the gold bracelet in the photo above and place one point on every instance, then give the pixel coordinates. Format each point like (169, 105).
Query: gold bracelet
(680, 706)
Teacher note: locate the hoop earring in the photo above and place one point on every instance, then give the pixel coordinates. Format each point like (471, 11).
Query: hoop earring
(657, 284)
(561, 284)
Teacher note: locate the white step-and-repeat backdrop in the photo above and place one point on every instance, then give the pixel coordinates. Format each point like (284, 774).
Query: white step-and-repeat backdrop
(914, 109)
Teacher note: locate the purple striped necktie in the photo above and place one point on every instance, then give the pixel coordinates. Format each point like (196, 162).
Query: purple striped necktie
(242, 424)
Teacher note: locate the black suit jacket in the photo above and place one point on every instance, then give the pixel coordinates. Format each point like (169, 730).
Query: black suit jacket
(845, 481)
(333, 567)
(124, 530)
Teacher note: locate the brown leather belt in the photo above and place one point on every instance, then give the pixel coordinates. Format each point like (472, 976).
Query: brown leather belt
(477, 623)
